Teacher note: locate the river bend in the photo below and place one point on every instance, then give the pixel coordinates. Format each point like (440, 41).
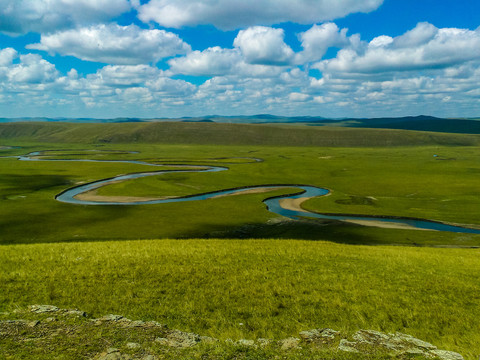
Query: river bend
(274, 204)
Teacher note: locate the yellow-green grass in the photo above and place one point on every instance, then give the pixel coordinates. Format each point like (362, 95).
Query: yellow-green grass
(256, 288)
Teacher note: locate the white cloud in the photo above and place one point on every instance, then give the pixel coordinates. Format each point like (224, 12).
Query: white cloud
(124, 75)
(116, 84)
(234, 14)
(217, 61)
(7, 55)
(298, 97)
(425, 70)
(135, 95)
(263, 46)
(380, 41)
(32, 69)
(318, 39)
(171, 87)
(421, 34)
(424, 47)
(22, 16)
(212, 61)
(114, 44)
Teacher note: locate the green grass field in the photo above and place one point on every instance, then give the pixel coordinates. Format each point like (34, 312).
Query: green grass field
(289, 275)
(403, 181)
(275, 288)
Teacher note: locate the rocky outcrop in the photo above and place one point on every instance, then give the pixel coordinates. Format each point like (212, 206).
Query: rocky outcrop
(371, 341)
(180, 339)
(320, 336)
(48, 321)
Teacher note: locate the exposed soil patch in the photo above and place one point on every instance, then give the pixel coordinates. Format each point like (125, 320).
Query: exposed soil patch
(258, 190)
(92, 195)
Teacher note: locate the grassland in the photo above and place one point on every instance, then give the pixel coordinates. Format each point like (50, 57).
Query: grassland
(275, 288)
(400, 181)
(295, 276)
(225, 134)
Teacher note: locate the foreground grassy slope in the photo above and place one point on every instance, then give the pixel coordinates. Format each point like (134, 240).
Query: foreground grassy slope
(256, 288)
(224, 134)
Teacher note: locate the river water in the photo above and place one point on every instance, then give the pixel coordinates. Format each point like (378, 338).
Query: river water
(274, 204)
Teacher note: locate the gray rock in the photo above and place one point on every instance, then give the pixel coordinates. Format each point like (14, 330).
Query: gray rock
(370, 336)
(208, 340)
(410, 340)
(137, 323)
(132, 345)
(180, 339)
(320, 336)
(446, 355)
(370, 341)
(162, 341)
(156, 324)
(111, 317)
(347, 346)
(124, 322)
(264, 342)
(245, 342)
(289, 343)
(33, 323)
(77, 313)
(39, 309)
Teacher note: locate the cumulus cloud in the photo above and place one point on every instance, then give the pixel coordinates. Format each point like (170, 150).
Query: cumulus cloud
(123, 75)
(7, 55)
(298, 97)
(318, 39)
(424, 47)
(117, 84)
(263, 46)
(32, 69)
(211, 62)
(425, 70)
(218, 61)
(22, 16)
(259, 50)
(168, 87)
(234, 14)
(114, 44)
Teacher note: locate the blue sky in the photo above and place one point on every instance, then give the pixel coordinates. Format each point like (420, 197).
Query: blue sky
(173, 58)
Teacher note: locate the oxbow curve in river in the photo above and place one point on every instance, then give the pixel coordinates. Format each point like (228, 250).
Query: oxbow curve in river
(274, 204)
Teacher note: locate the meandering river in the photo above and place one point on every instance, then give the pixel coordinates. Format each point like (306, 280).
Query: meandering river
(284, 205)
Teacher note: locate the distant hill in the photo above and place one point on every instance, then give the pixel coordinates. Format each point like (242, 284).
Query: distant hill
(419, 123)
(211, 133)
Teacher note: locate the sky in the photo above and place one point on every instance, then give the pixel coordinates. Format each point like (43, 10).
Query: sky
(176, 58)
